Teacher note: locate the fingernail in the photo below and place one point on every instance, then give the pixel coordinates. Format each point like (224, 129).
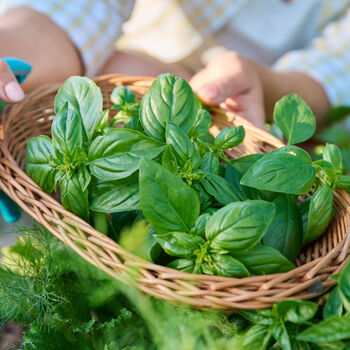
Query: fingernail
(208, 92)
(14, 92)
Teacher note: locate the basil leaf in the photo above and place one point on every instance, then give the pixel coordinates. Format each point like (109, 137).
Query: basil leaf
(199, 227)
(73, 198)
(295, 311)
(179, 244)
(286, 231)
(304, 206)
(257, 337)
(122, 95)
(320, 213)
(233, 176)
(295, 119)
(169, 99)
(201, 124)
(242, 164)
(183, 265)
(332, 329)
(166, 201)
(263, 260)
(285, 170)
(86, 99)
(117, 197)
(230, 137)
(169, 161)
(344, 287)
(332, 154)
(117, 154)
(205, 199)
(343, 181)
(66, 130)
(84, 178)
(223, 191)
(240, 225)
(223, 265)
(262, 317)
(181, 146)
(280, 333)
(327, 167)
(334, 304)
(39, 156)
(210, 163)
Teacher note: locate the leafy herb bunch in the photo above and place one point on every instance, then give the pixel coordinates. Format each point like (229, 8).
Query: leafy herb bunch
(210, 214)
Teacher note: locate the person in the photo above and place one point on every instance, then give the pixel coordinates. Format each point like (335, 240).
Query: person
(242, 54)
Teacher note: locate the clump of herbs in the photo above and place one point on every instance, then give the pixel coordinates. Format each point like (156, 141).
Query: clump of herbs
(209, 214)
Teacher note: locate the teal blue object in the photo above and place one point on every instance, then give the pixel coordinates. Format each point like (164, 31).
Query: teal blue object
(9, 210)
(19, 68)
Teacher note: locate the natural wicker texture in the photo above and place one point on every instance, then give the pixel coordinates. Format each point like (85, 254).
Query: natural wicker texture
(316, 263)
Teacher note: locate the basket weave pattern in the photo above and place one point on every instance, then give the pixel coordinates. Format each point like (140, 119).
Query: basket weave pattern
(326, 256)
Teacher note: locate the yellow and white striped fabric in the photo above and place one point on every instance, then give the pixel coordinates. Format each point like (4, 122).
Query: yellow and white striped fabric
(311, 36)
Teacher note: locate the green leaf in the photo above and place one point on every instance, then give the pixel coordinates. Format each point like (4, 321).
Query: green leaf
(285, 170)
(262, 317)
(182, 146)
(242, 164)
(344, 287)
(179, 244)
(73, 198)
(263, 260)
(334, 305)
(286, 231)
(201, 124)
(223, 265)
(223, 191)
(39, 156)
(117, 154)
(199, 227)
(304, 206)
(240, 225)
(234, 177)
(86, 99)
(210, 163)
(332, 154)
(327, 167)
(166, 201)
(122, 95)
(230, 137)
(66, 130)
(257, 337)
(117, 197)
(280, 333)
(295, 311)
(169, 161)
(184, 265)
(169, 99)
(343, 181)
(332, 329)
(84, 178)
(320, 213)
(295, 119)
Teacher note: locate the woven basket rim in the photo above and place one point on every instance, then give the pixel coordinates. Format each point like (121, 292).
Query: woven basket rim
(17, 184)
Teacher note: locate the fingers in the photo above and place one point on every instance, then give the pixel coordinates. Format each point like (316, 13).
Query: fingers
(10, 90)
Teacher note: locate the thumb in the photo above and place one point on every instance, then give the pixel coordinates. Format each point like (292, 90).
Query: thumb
(218, 90)
(10, 90)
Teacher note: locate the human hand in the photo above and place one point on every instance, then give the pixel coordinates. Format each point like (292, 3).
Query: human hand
(10, 90)
(235, 83)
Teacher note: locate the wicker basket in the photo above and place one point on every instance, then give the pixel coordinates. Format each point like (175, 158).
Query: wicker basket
(315, 264)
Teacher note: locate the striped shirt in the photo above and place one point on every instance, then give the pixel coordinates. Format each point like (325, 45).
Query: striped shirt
(307, 36)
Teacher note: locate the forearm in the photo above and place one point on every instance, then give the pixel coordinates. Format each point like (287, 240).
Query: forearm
(278, 84)
(28, 35)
